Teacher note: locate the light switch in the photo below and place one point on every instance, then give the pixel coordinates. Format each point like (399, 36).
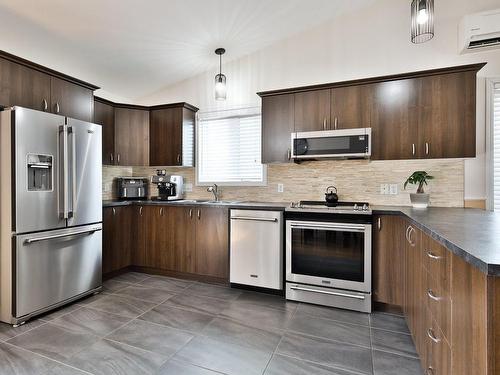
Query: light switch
(280, 188)
(393, 189)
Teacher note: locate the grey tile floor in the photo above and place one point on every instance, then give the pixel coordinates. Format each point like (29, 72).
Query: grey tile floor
(144, 324)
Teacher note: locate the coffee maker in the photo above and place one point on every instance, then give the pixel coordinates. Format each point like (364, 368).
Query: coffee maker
(170, 188)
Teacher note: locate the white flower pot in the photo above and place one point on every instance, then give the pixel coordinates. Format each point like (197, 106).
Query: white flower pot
(419, 200)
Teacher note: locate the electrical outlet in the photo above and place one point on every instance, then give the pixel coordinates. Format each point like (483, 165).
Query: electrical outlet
(393, 189)
(384, 189)
(280, 188)
(188, 188)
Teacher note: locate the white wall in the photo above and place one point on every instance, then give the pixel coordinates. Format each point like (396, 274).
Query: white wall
(370, 42)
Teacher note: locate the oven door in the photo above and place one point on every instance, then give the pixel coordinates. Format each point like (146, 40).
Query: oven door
(329, 254)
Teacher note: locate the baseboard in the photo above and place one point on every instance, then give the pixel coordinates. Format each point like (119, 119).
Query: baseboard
(388, 308)
(475, 203)
(110, 275)
(180, 275)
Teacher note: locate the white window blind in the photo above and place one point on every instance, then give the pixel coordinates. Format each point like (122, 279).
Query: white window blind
(496, 146)
(229, 148)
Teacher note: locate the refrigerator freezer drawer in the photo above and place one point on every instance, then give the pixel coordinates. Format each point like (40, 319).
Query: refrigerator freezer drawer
(54, 266)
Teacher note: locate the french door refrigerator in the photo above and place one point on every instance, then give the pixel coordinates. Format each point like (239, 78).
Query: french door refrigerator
(50, 212)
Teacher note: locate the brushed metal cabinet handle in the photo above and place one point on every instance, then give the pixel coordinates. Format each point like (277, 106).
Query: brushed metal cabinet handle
(429, 371)
(431, 335)
(111, 158)
(190, 213)
(289, 154)
(57, 107)
(118, 158)
(161, 211)
(114, 211)
(140, 210)
(199, 214)
(433, 256)
(413, 149)
(178, 158)
(335, 123)
(45, 105)
(324, 123)
(379, 224)
(426, 148)
(432, 296)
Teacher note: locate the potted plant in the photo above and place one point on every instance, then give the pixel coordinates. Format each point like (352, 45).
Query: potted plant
(420, 199)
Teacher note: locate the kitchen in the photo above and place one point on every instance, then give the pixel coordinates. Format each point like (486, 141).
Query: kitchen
(249, 187)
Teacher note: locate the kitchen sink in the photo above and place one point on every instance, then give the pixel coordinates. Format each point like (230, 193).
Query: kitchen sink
(221, 202)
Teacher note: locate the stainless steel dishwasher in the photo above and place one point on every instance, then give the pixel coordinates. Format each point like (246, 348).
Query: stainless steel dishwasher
(257, 248)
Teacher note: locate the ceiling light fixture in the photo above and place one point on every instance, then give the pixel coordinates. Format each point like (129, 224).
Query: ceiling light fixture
(422, 20)
(220, 79)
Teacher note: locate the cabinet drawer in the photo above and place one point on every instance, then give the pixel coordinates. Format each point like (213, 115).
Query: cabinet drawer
(437, 260)
(438, 302)
(438, 354)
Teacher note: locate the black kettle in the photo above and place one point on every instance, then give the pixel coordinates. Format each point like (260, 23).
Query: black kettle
(331, 196)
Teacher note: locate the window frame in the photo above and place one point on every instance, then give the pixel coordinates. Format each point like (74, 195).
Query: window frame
(490, 154)
(226, 183)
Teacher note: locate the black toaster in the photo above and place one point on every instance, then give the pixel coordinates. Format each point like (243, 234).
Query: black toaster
(132, 187)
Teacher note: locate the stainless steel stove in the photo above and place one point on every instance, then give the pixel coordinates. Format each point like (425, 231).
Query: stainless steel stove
(329, 254)
(339, 207)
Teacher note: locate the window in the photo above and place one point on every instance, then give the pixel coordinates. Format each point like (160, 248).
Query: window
(229, 148)
(495, 122)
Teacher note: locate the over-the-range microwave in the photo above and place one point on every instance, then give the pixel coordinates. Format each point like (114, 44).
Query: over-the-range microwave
(342, 144)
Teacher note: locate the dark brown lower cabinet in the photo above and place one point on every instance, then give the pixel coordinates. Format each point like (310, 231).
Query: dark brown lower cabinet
(212, 240)
(117, 238)
(388, 259)
(180, 239)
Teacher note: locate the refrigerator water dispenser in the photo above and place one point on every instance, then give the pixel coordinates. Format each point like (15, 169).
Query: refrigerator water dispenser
(40, 174)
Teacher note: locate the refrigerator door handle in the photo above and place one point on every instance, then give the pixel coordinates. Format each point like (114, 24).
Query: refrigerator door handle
(72, 133)
(46, 238)
(64, 131)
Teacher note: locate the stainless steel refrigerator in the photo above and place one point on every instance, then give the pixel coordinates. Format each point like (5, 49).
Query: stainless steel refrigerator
(50, 212)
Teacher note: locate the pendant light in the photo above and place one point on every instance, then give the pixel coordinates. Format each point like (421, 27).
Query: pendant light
(220, 79)
(422, 20)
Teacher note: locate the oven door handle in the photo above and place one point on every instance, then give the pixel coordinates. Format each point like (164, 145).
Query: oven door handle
(339, 294)
(345, 228)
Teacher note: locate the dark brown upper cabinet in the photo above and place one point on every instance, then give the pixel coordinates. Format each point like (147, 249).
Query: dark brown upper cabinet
(350, 107)
(312, 111)
(447, 116)
(24, 87)
(131, 136)
(418, 115)
(394, 120)
(26, 84)
(172, 135)
(104, 115)
(71, 100)
(277, 126)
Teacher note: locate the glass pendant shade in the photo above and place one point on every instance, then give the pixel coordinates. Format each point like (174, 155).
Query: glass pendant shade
(422, 20)
(220, 87)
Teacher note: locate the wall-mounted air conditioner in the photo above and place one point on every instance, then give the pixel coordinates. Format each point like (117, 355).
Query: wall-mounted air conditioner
(479, 31)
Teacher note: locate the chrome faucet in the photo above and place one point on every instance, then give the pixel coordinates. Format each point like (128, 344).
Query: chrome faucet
(215, 190)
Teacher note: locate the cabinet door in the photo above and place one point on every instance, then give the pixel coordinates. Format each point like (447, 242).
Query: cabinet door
(277, 126)
(161, 252)
(132, 136)
(447, 116)
(351, 107)
(184, 241)
(212, 242)
(312, 110)
(116, 240)
(23, 87)
(69, 99)
(388, 259)
(394, 120)
(104, 114)
(166, 137)
(414, 306)
(143, 217)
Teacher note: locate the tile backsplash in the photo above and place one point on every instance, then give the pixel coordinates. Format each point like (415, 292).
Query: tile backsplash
(354, 179)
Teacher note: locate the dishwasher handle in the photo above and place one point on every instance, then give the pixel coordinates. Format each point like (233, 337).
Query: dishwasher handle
(251, 218)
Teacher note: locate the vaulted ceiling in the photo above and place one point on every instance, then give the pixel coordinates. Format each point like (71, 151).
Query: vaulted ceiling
(132, 48)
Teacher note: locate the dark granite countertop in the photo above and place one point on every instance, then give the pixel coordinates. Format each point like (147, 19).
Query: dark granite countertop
(472, 234)
(280, 206)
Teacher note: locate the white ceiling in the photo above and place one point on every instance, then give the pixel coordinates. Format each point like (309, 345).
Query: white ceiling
(132, 48)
